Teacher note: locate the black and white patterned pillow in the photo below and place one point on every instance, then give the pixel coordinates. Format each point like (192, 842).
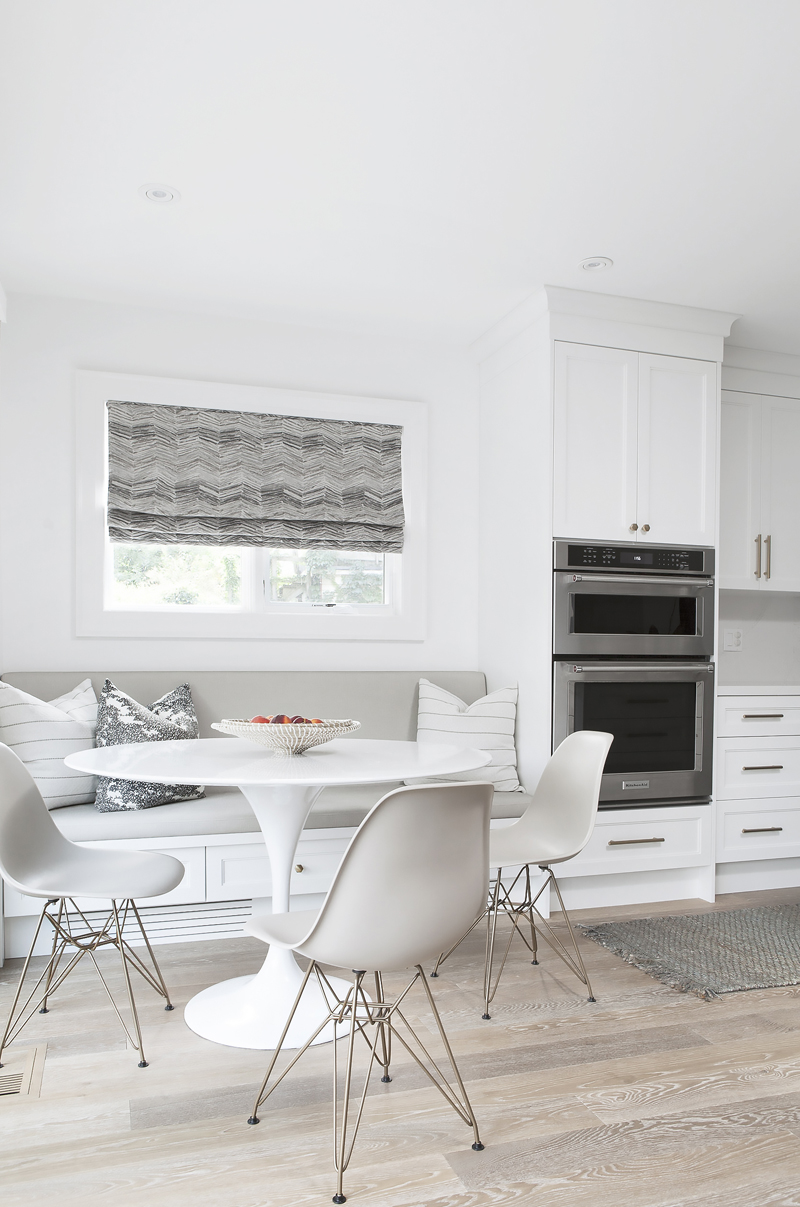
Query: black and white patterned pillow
(120, 719)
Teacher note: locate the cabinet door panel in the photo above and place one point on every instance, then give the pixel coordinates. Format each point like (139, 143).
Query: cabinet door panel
(595, 442)
(780, 491)
(740, 491)
(677, 450)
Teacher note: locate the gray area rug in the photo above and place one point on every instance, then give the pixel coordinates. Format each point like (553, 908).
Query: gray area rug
(710, 954)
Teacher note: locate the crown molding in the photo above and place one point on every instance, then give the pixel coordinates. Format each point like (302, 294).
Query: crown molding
(607, 307)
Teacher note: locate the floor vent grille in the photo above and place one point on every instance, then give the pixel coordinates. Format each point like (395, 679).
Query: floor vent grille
(186, 923)
(27, 1080)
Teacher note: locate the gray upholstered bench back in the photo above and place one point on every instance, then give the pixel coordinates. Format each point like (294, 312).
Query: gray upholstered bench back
(385, 702)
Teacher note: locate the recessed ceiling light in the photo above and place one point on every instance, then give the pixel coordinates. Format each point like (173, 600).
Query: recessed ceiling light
(596, 264)
(160, 193)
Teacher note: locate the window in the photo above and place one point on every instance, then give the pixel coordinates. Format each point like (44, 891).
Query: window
(138, 589)
(144, 577)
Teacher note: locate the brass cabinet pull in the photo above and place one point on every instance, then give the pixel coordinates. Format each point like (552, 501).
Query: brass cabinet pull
(634, 527)
(627, 842)
(764, 830)
(758, 556)
(298, 867)
(762, 716)
(645, 527)
(766, 767)
(768, 543)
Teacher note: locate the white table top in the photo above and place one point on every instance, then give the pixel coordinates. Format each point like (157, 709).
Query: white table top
(237, 761)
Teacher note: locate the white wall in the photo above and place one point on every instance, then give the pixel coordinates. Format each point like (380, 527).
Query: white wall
(515, 629)
(770, 625)
(46, 339)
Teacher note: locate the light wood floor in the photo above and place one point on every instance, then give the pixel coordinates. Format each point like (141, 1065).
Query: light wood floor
(649, 1097)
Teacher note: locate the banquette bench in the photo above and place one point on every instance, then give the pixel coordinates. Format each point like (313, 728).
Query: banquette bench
(218, 838)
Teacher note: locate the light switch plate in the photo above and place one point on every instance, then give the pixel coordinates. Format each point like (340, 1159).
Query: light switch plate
(732, 640)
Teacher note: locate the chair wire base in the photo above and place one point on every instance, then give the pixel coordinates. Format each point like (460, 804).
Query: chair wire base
(73, 932)
(521, 913)
(357, 1012)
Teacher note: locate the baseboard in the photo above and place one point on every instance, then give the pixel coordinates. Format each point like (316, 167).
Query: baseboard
(636, 888)
(756, 874)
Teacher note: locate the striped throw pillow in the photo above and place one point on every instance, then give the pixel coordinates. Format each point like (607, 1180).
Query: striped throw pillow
(43, 733)
(488, 725)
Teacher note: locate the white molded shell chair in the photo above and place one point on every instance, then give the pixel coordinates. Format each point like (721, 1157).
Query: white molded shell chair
(36, 859)
(411, 881)
(555, 827)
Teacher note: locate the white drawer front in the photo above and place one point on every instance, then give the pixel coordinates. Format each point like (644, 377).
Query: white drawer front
(753, 768)
(234, 873)
(191, 889)
(237, 872)
(758, 716)
(768, 829)
(637, 839)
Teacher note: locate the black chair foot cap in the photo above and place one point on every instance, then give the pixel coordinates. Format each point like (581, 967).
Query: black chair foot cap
(339, 1198)
(169, 1007)
(254, 1119)
(44, 1010)
(592, 999)
(534, 961)
(385, 1079)
(478, 1147)
(143, 1064)
(434, 974)
(486, 1016)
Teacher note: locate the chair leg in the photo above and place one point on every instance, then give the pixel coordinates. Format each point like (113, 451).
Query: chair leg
(447, 954)
(15, 1021)
(534, 937)
(359, 1013)
(43, 1009)
(580, 971)
(86, 942)
(384, 1036)
(491, 931)
(139, 1046)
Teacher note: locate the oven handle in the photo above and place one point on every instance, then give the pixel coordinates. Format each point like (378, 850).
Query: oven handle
(581, 666)
(627, 580)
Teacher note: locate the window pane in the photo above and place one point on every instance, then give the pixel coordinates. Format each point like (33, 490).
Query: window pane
(321, 576)
(148, 575)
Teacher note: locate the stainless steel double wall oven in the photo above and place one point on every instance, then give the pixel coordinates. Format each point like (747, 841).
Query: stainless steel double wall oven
(633, 635)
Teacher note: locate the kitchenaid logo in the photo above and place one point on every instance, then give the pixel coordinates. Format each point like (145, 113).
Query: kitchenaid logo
(635, 784)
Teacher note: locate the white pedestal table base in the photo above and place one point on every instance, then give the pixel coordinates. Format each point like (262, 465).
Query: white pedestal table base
(251, 1011)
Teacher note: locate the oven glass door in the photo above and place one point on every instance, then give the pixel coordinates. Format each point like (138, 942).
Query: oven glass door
(660, 716)
(621, 615)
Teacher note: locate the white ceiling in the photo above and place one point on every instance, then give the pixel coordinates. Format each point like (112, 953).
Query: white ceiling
(412, 166)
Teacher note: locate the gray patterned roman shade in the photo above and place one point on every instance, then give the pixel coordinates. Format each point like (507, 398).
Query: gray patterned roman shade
(191, 476)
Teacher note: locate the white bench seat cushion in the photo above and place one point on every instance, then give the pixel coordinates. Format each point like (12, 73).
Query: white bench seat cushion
(226, 811)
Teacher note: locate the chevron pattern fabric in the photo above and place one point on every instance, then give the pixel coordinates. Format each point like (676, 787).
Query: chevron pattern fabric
(191, 476)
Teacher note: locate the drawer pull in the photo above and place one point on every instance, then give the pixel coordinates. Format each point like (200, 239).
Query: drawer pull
(298, 867)
(627, 842)
(762, 716)
(766, 767)
(764, 830)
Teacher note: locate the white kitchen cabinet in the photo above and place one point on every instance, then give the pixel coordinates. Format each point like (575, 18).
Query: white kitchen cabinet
(757, 789)
(759, 493)
(634, 446)
(595, 425)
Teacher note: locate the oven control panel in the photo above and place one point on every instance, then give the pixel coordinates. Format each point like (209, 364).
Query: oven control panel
(653, 559)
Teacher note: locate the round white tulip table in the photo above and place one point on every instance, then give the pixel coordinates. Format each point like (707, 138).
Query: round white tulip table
(251, 1011)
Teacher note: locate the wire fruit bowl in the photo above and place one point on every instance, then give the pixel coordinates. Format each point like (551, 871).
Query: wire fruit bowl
(286, 739)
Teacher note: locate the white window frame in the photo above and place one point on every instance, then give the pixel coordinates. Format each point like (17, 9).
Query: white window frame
(402, 618)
